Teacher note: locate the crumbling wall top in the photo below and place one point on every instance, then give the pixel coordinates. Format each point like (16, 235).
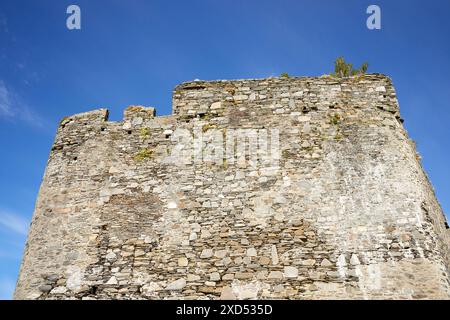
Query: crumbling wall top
(197, 98)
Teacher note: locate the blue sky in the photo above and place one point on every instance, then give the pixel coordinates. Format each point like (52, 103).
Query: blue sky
(136, 51)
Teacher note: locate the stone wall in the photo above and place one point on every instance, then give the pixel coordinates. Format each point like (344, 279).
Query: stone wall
(345, 211)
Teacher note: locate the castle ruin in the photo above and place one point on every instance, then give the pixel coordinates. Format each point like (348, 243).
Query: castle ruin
(335, 205)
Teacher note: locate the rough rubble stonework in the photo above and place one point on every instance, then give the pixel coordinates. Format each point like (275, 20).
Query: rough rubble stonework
(349, 214)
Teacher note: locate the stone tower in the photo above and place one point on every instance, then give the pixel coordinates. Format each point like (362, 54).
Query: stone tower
(291, 188)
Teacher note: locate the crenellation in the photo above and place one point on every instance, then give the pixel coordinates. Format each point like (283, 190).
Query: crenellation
(153, 208)
(138, 114)
(86, 118)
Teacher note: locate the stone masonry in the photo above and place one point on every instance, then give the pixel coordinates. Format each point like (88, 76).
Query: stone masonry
(346, 213)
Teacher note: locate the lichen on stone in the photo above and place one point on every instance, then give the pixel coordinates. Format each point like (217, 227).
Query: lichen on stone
(143, 154)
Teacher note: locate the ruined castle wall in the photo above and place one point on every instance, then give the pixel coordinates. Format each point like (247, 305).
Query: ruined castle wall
(342, 209)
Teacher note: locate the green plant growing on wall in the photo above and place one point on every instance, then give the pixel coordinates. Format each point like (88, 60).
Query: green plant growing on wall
(343, 69)
(284, 75)
(364, 67)
(143, 154)
(63, 120)
(206, 127)
(145, 132)
(334, 119)
(286, 154)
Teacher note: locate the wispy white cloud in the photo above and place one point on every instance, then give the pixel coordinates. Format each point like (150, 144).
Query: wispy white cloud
(13, 222)
(5, 101)
(13, 108)
(7, 286)
(3, 24)
(7, 255)
(11, 245)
